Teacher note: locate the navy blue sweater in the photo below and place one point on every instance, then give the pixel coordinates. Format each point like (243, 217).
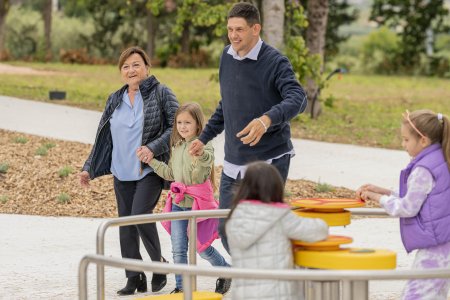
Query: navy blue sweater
(250, 89)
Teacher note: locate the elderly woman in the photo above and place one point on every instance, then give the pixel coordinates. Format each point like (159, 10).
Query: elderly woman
(135, 127)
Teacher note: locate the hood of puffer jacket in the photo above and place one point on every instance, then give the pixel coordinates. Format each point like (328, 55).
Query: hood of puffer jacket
(251, 220)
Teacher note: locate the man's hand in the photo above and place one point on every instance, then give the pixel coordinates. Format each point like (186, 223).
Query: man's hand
(196, 148)
(253, 132)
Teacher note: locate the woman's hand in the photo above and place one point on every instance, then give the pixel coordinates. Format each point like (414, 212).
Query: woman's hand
(84, 179)
(144, 154)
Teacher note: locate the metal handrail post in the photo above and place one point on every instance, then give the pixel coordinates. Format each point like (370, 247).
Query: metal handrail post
(82, 279)
(193, 248)
(187, 287)
(100, 248)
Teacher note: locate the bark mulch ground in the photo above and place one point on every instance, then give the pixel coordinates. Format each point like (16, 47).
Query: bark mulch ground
(39, 176)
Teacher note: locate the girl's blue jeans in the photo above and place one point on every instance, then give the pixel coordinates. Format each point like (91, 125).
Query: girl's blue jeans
(179, 238)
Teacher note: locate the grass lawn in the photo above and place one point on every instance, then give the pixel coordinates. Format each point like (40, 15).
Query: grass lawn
(366, 109)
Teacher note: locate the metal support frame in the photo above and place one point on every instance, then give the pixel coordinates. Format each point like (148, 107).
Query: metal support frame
(330, 285)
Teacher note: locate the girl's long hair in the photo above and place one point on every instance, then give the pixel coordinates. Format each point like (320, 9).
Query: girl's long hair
(262, 182)
(434, 126)
(196, 113)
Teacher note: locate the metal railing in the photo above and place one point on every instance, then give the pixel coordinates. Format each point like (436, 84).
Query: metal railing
(192, 216)
(189, 271)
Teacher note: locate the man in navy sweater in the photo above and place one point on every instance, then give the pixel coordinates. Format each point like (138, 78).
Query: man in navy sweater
(260, 95)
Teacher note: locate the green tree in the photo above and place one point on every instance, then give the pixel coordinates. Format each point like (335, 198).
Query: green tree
(411, 20)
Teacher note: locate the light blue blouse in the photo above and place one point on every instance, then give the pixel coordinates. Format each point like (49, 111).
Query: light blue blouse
(127, 123)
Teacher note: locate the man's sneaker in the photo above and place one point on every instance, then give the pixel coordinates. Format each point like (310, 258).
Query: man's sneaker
(223, 285)
(176, 291)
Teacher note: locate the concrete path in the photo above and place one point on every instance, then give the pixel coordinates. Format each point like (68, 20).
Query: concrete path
(39, 256)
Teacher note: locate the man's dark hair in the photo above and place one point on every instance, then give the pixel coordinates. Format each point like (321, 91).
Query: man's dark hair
(245, 10)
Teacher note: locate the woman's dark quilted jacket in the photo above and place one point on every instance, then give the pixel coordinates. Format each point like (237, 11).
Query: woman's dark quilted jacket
(99, 161)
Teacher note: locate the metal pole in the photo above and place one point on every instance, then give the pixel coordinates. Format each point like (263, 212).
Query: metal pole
(193, 248)
(82, 279)
(187, 287)
(355, 290)
(322, 290)
(360, 289)
(100, 267)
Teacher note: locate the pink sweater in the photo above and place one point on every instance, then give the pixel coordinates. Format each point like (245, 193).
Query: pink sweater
(207, 229)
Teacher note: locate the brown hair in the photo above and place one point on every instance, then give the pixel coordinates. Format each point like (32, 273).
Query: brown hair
(133, 50)
(245, 10)
(195, 110)
(262, 182)
(434, 126)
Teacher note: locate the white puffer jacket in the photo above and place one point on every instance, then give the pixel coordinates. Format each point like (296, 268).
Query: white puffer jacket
(259, 237)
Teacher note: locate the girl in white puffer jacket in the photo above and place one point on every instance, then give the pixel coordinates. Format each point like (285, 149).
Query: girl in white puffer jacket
(260, 228)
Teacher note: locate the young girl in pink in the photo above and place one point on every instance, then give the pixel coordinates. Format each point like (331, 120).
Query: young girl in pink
(423, 199)
(192, 189)
(260, 227)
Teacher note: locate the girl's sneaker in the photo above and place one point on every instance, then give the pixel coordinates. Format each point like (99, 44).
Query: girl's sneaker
(176, 291)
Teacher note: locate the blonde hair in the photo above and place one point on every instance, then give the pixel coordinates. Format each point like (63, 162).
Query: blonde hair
(195, 110)
(434, 126)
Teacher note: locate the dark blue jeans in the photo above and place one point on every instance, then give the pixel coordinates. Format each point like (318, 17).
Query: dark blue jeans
(229, 185)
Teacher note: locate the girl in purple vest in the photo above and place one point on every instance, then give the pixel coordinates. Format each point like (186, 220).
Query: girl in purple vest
(423, 200)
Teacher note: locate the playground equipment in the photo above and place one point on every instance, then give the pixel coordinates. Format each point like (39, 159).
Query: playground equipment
(329, 255)
(349, 281)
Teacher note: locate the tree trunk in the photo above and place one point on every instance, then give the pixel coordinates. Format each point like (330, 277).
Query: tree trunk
(151, 33)
(317, 12)
(185, 39)
(4, 7)
(273, 30)
(47, 14)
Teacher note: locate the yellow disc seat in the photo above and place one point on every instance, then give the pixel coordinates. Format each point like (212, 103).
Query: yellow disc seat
(347, 259)
(197, 295)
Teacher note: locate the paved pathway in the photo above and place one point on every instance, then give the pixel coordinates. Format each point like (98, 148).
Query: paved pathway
(39, 256)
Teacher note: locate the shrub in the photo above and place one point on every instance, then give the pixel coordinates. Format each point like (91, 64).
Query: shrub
(63, 198)
(196, 59)
(49, 145)
(65, 171)
(23, 29)
(41, 151)
(4, 168)
(3, 199)
(323, 188)
(20, 140)
(379, 52)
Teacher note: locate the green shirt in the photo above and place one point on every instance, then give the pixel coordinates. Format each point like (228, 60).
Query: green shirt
(185, 168)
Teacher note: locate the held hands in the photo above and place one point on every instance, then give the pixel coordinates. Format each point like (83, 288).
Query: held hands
(253, 132)
(196, 148)
(84, 179)
(144, 154)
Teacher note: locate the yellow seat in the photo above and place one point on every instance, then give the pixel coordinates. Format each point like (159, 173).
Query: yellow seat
(347, 259)
(198, 295)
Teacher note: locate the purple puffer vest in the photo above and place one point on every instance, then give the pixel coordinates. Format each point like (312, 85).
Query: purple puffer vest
(431, 226)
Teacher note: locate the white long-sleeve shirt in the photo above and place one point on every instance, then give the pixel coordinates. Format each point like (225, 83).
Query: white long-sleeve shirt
(420, 183)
